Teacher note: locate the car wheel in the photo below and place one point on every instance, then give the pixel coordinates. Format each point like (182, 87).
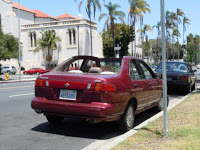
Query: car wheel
(160, 105)
(25, 73)
(54, 119)
(188, 90)
(193, 87)
(38, 73)
(127, 120)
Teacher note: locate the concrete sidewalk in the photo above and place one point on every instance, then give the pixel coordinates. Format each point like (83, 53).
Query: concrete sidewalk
(15, 78)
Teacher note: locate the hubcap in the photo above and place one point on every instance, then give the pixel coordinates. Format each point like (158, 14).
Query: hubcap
(129, 117)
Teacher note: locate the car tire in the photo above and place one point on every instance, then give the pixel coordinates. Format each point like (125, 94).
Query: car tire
(54, 119)
(25, 73)
(126, 121)
(189, 89)
(160, 105)
(37, 73)
(193, 87)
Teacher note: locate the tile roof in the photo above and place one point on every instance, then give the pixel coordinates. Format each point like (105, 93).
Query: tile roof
(40, 14)
(66, 16)
(15, 5)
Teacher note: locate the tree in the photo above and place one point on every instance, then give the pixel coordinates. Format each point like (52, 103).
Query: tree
(179, 13)
(143, 32)
(157, 26)
(90, 4)
(122, 36)
(186, 21)
(137, 7)
(112, 15)
(8, 46)
(47, 42)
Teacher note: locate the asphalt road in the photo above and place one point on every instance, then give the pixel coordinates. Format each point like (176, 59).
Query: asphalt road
(22, 129)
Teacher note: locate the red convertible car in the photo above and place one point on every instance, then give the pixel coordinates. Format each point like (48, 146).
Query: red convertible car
(34, 71)
(111, 90)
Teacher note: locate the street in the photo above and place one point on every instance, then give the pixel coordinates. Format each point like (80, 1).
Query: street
(21, 128)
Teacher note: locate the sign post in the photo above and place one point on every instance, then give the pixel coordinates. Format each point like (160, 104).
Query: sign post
(164, 74)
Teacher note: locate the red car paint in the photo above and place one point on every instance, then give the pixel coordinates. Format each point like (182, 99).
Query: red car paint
(101, 97)
(34, 71)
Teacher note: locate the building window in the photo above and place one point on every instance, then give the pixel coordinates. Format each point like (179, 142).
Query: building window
(32, 37)
(71, 37)
(74, 36)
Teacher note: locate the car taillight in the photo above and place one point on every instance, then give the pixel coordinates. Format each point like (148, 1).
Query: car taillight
(104, 87)
(184, 78)
(39, 83)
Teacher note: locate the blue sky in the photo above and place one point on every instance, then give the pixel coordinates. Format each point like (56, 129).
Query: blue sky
(58, 7)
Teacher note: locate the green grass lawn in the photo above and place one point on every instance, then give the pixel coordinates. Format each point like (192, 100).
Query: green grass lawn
(183, 130)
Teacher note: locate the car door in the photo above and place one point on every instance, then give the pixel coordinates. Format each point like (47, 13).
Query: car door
(154, 88)
(139, 85)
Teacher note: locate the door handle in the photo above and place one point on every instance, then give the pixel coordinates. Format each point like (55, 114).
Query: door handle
(135, 85)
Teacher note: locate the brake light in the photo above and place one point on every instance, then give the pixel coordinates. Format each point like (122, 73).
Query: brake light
(104, 87)
(184, 78)
(39, 83)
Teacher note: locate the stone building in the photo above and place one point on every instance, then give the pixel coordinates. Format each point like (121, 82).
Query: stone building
(74, 34)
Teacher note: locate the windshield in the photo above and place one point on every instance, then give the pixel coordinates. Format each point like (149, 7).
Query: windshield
(174, 66)
(86, 64)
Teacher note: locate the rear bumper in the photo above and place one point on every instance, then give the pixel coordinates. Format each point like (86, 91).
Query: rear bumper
(175, 85)
(94, 110)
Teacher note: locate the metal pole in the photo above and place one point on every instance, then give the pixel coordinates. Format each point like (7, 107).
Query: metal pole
(164, 75)
(78, 45)
(19, 44)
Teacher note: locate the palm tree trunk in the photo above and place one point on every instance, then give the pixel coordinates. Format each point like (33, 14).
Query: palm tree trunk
(91, 35)
(135, 37)
(147, 49)
(178, 48)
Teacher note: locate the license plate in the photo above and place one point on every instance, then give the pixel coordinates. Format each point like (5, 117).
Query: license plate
(68, 94)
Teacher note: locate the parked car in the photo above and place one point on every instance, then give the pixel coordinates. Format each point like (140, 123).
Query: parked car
(179, 76)
(34, 71)
(8, 69)
(114, 90)
(198, 66)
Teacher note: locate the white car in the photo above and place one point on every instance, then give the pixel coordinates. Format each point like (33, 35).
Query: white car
(198, 66)
(8, 69)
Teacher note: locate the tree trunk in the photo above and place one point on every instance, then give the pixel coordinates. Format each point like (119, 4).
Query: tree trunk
(147, 49)
(91, 35)
(135, 37)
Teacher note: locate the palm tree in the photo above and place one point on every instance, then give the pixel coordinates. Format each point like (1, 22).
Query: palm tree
(137, 7)
(186, 21)
(157, 26)
(47, 42)
(143, 33)
(91, 4)
(179, 13)
(196, 46)
(112, 15)
(175, 32)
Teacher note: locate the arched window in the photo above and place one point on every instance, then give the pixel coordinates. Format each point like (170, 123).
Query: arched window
(70, 36)
(74, 36)
(32, 39)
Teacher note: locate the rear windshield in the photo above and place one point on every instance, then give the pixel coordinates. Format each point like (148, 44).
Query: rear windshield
(90, 65)
(174, 66)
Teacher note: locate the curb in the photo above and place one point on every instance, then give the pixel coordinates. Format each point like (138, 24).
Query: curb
(116, 140)
(15, 81)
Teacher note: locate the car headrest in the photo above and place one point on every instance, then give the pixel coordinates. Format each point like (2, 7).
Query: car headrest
(95, 70)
